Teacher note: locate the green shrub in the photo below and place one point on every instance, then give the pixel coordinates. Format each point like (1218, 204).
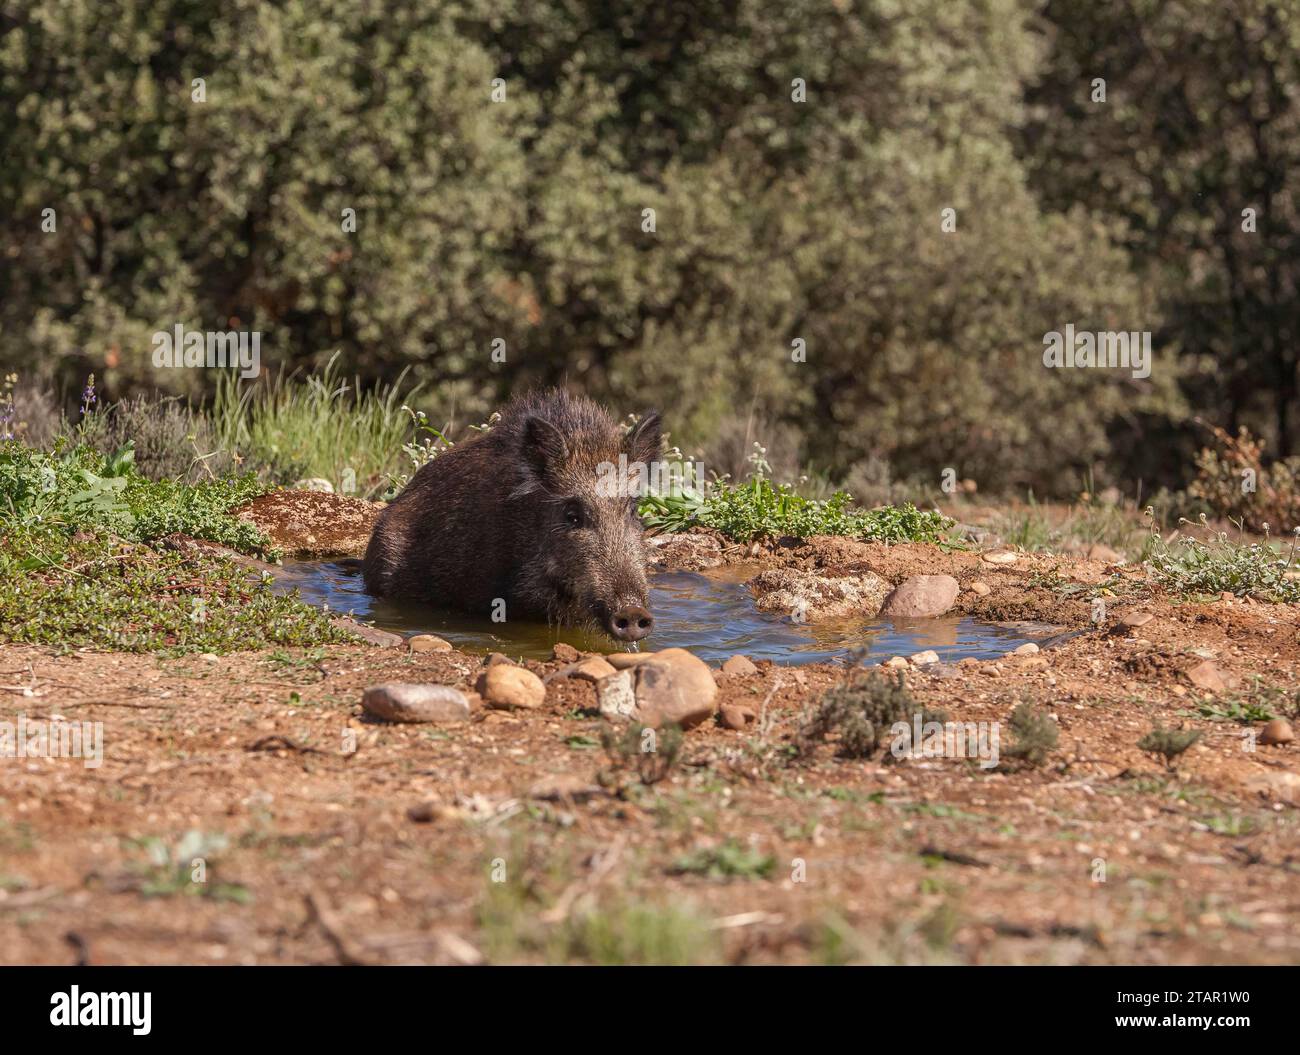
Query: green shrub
(80, 488)
(861, 713)
(1035, 732)
(1196, 567)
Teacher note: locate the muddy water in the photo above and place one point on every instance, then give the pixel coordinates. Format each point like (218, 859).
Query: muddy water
(713, 615)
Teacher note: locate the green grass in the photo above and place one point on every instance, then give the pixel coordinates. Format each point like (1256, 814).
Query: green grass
(728, 860)
(77, 570)
(94, 590)
(759, 509)
(325, 426)
(76, 488)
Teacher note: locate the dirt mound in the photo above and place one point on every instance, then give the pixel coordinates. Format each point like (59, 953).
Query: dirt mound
(311, 524)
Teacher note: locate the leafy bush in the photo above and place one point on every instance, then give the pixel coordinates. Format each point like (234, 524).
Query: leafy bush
(758, 509)
(78, 488)
(93, 590)
(1193, 566)
(1036, 734)
(861, 712)
(1234, 482)
(1168, 744)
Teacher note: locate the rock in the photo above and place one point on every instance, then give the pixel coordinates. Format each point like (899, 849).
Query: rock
(1279, 786)
(1104, 554)
(562, 787)
(405, 702)
(1027, 649)
(1207, 676)
(311, 524)
(428, 643)
(314, 483)
(897, 661)
(920, 659)
(808, 596)
(1132, 620)
(1002, 557)
(495, 658)
(615, 696)
(1278, 731)
(592, 669)
(739, 665)
(735, 716)
(674, 688)
(503, 686)
(372, 635)
(980, 587)
(688, 551)
(424, 812)
(623, 660)
(565, 653)
(921, 597)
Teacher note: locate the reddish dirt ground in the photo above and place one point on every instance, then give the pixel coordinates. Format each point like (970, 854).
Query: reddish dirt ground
(491, 840)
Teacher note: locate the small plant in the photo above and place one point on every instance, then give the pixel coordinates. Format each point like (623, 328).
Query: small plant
(184, 869)
(1035, 732)
(1220, 566)
(727, 860)
(1234, 482)
(1168, 743)
(861, 712)
(651, 754)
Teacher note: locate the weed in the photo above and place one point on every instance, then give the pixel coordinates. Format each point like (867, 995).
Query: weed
(861, 712)
(727, 860)
(650, 753)
(1168, 743)
(1035, 732)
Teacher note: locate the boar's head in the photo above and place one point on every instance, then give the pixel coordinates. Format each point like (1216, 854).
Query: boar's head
(588, 564)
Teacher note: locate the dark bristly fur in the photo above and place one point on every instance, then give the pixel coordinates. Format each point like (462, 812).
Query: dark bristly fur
(494, 518)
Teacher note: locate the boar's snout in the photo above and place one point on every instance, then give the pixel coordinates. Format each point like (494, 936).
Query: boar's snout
(632, 622)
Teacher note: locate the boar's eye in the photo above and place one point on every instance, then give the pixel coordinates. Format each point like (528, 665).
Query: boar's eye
(573, 513)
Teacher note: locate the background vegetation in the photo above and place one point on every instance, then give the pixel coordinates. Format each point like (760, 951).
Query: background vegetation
(521, 220)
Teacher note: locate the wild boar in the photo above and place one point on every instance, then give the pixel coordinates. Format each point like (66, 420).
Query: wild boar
(525, 514)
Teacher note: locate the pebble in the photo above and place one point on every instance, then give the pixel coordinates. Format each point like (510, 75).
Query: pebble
(980, 587)
(406, 702)
(1003, 557)
(615, 696)
(497, 657)
(428, 643)
(921, 597)
(592, 669)
(1206, 675)
(920, 659)
(739, 665)
(1027, 649)
(565, 653)
(897, 661)
(1278, 731)
(674, 688)
(370, 634)
(504, 686)
(735, 716)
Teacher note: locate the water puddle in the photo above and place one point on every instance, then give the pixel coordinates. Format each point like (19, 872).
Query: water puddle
(712, 615)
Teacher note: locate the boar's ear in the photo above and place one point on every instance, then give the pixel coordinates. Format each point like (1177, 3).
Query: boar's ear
(643, 442)
(544, 446)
